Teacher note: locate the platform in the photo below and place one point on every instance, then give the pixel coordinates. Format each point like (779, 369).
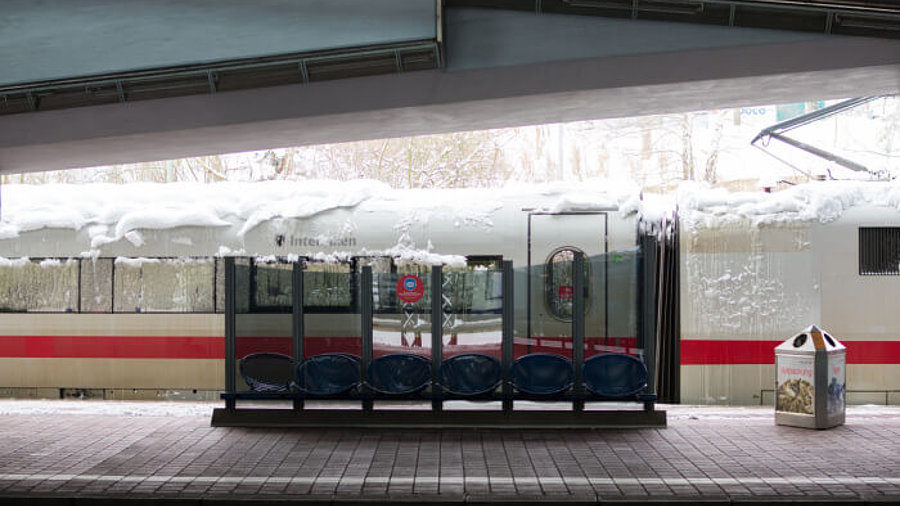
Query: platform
(93, 452)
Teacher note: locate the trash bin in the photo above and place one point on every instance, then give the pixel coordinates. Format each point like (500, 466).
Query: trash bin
(810, 380)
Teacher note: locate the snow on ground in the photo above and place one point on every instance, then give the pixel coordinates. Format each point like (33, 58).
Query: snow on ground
(110, 408)
(204, 409)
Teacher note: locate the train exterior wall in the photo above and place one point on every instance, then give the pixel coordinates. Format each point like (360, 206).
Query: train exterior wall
(112, 355)
(747, 286)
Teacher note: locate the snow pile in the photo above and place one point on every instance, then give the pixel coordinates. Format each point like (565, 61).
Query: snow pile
(404, 255)
(113, 212)
(822, 201)
(14, 262)
(106, 408)
(110, 213)
(591, 195)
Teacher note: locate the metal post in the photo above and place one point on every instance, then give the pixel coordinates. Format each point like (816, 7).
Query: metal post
(230, 323)
(437, 327)
(578, 330)
(365, 317)
(507, 335)
(648, 322)
(297, 318)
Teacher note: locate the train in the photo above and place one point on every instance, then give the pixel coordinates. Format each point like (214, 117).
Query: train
(118, 291)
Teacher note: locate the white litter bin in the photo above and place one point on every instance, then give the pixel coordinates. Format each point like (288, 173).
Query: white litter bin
(810, 380)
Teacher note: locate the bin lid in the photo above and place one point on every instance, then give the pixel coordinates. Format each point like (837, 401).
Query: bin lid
(809, 340)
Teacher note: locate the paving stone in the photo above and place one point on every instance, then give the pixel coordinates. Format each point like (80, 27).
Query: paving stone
(735, 458)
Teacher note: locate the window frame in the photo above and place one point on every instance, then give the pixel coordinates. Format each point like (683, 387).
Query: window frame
(550, 294)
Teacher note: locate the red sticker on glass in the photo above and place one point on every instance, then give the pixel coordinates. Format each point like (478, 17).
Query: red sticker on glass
(410, 288)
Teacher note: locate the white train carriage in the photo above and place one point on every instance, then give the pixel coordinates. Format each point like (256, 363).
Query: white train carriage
(119, 291)
(755, 271)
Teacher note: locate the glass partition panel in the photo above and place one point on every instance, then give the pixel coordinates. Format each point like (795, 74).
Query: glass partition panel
(596, 305)
(270, 285)
(263, 326)
(620, 330)
(473, 310)
(331, 310)
(402, 313)
(612, 312)
(549, 309)
(611, 306)
(472, 328)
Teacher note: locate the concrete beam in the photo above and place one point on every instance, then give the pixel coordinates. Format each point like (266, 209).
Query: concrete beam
(440, 101)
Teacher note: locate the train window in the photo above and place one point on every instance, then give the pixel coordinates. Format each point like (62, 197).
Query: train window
(220, 285)
(328, 287)
(384, 296)
(48, 285)
(242, 269)
(96, 285)
(175, 285)
(271, 285)
(559, 282)
(879, 251)
(478, 288)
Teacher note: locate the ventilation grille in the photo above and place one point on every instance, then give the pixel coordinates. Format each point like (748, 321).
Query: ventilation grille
(879, 251)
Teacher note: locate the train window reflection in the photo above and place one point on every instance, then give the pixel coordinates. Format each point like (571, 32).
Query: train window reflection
(474, 290)
(384, 297)
(271, 285)
(164, 285)
(220, 285)
(559, 287)
(327, 287)
(48, 285)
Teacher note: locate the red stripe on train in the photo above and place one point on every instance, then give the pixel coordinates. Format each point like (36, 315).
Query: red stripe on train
(693, 351)
(183, 347)
(733, 352)
(112, 347)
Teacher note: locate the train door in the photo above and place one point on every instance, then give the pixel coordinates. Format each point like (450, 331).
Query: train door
(553, 240)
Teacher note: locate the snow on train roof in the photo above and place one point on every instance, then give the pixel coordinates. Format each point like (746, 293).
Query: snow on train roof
(823, 201)
(110, 212)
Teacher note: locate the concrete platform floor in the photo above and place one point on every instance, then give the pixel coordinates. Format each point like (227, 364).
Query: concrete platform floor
(104, 452)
